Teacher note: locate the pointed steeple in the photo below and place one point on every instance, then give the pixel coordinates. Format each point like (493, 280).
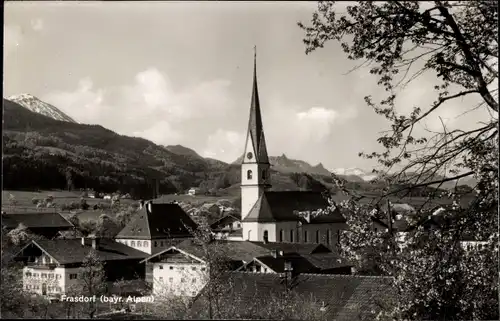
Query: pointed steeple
(255, 128)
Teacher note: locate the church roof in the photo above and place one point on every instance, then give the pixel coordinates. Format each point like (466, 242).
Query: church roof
(281, 206)
(255, 128)
(161, 221)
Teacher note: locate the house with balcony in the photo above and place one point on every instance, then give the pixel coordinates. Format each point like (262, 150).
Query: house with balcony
(156, 227)
(53, 267)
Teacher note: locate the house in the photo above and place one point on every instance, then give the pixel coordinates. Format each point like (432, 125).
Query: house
(278, 216)
(53, 267)
(228, 228)
(107, 197)
(174, 272)
(41, 223)
(193, 191)
(156, 227)
(303, 297)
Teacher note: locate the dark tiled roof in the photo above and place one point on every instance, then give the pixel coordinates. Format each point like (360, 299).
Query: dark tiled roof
(300, 248)
(72, 251)
(223, 222)
(234, 250)
(325, 261)
(166, 220)
(35, 220)
(344, 297)
(277, 264)
(281, 206)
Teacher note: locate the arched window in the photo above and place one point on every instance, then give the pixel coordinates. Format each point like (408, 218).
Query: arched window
(306, 237)
(145, 244)
(291, 235)
(132, 243)
(328, 236)
(266, 236)
(249, 174)
(282, 235)
(317, 236)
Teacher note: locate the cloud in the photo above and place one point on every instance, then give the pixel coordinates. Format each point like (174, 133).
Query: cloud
(13, 37)
(149, 106)
(37, 24)
(225, 145)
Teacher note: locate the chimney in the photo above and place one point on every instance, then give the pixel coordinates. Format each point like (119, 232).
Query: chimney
(389, 216)
(95, 243)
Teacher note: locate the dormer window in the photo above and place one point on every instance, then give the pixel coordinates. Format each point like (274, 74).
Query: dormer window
(249, 174)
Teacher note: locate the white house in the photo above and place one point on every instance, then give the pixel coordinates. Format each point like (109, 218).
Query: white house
(53, 267)
(175, 272)
(193, 191)
(156, 227)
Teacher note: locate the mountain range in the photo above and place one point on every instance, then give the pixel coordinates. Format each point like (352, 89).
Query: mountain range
(45, 148)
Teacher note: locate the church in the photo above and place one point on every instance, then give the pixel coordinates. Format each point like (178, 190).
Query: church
(272, 216)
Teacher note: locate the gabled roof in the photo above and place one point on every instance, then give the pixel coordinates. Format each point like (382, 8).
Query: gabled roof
(277, 264)
(72, 251)
(172, 252)
(281, 206)
(235, 250)
(300, 248)
(341, 297)
(224, 221)
(167, 220)
(255, 128)
(35, 220)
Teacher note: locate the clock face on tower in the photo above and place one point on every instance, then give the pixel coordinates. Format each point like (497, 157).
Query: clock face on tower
(249, 155)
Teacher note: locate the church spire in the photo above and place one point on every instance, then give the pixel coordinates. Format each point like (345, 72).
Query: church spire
(255, 128)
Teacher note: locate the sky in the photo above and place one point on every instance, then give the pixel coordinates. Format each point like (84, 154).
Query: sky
(181, 73)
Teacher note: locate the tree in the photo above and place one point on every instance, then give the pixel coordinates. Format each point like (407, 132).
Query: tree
(93, 281)
(22, 235)
(457, 42)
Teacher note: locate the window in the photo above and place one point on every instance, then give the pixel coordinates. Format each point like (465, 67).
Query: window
(203, 269)
(194, 280)
(193, 268)
(161, 267)
(58, 276)
(317, 236)
(132, 243)
(265, 270)
(51, 275)
(170, 280)
(28, 274)
(328, 236)
(306, 237)
(146, 244)
(181, 268)
(266, 236)
(72, 276)
(139, 244)
(156, 243)
(171, 267)
(282, 234)
(44, 275)
(193, 293)
(291, 235)
(249, 174)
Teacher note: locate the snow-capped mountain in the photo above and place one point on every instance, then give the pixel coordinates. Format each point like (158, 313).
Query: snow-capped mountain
(366, 176)
(36, 105)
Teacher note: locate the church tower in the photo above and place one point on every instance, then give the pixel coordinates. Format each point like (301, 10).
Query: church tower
(255, 163)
